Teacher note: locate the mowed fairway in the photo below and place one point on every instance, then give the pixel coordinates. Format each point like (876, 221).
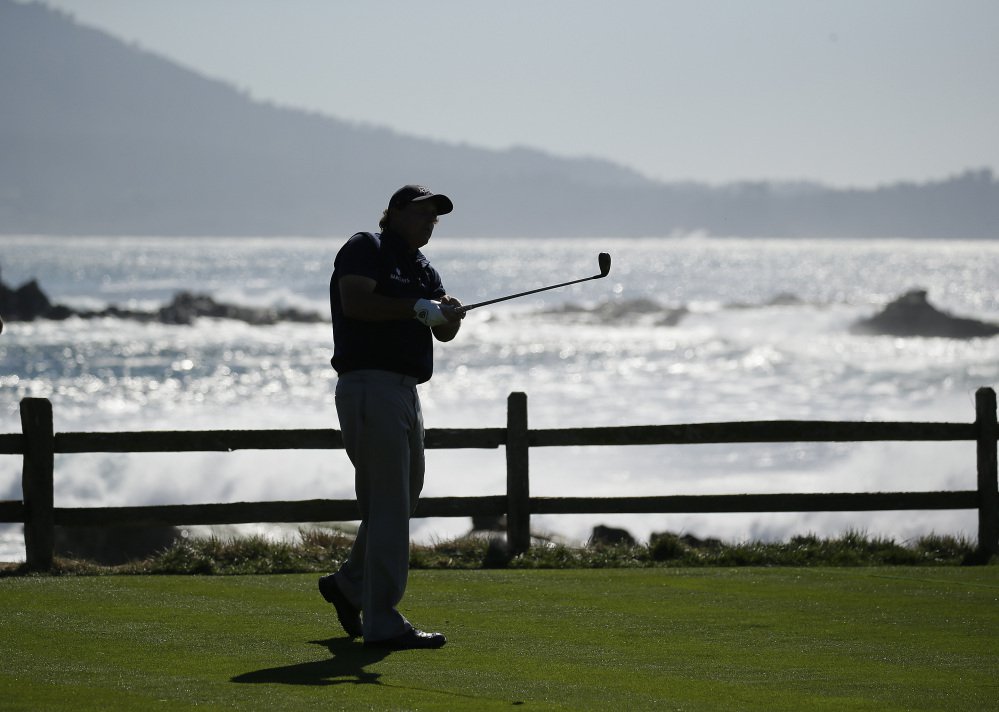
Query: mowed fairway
(619, 639)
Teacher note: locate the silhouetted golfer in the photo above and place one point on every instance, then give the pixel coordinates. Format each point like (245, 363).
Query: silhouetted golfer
(388, 305)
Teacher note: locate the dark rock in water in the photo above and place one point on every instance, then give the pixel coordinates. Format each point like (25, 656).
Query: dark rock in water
(29, 302)
(26, 303)
(612, 310)
(710, 544)
(610, 536)
(785, 299)
(668, 546)
(112, 546)
(186, 307)
(672, 317)
(59, 312)
(489, 523)
(620, 310)
(913, 315)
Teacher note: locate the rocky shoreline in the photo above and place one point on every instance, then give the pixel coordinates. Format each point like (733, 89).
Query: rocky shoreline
(28, 302)
(909, 315)
(913, 315)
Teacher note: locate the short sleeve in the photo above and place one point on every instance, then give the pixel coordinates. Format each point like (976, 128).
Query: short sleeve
(359, 256)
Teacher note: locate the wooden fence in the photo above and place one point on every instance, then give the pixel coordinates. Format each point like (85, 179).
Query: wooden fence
(38, 444)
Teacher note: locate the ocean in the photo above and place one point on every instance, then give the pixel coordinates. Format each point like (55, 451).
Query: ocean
(684, 329)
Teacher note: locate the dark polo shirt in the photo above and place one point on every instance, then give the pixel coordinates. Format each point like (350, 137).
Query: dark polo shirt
(403, 346)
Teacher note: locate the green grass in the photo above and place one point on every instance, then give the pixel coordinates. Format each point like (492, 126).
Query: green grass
(878, 638)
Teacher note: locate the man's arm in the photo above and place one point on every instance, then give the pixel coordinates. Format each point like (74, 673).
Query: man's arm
(446, 332)
(360, 301)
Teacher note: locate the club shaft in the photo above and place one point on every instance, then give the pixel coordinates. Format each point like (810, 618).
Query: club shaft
(466, 307)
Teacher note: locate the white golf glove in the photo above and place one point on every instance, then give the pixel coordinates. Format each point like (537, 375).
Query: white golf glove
(429, 312)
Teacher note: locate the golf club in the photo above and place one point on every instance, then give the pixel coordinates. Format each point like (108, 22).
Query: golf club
(603, 259)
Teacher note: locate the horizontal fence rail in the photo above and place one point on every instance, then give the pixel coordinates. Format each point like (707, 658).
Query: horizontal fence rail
(765, 431)
(38, 444)
(231, 440)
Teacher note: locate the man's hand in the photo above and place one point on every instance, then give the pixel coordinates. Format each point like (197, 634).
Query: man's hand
(434, 313)
(430, 312)
(450, 307)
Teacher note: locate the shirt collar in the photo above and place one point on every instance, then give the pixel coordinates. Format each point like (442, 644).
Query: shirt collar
(397, 243)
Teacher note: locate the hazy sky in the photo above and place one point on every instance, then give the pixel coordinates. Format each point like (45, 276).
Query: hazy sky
(847, 92)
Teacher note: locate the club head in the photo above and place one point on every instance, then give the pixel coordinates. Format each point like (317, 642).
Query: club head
(604, 260)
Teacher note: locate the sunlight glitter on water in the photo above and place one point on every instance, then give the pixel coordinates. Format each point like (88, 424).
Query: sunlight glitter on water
(732, 356)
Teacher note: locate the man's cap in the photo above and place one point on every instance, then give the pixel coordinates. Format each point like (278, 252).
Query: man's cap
(417, 193)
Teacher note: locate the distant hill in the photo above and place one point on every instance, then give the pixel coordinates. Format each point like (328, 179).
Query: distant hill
(100, 137)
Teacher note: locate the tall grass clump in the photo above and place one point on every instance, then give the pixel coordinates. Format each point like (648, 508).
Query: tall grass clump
(320, 550)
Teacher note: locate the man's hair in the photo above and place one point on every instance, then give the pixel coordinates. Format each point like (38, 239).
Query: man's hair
(384, 222)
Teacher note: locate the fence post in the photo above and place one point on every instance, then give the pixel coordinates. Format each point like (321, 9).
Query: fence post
(36, 482)
(518, 488)
(988, 480)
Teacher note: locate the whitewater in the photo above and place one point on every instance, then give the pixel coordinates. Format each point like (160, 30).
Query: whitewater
(685, 329)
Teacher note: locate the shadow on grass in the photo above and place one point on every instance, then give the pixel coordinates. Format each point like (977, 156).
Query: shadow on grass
(346, 666)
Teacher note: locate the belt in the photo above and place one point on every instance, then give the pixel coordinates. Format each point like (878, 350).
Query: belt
(370, 375)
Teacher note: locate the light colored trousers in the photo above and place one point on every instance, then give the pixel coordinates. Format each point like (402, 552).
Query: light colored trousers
(382, 425)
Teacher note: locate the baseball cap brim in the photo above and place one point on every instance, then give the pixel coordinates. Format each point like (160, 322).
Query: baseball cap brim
(443, 203)
(418, 193)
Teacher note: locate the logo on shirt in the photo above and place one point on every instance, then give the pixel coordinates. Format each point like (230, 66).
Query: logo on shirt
(397, 276)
